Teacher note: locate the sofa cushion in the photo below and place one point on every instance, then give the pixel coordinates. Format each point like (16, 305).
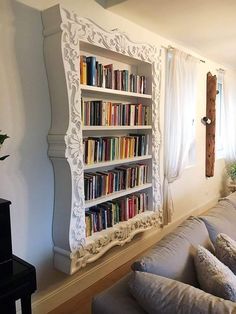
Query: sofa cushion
(225, 249)
(173, 256)
(214, 277)
(221, 219)
(116, 300)
(162, 295)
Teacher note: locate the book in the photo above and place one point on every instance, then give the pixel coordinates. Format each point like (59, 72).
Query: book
(89, 223)
(125, 80)
(100, 75)
(118, 79)
(83, 70)
(109, 79)
(91, 70)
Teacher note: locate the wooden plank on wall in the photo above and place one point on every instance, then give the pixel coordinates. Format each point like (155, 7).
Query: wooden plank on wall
(210, 128)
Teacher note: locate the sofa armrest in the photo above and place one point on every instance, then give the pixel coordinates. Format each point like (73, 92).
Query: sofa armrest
(231, 198)
(116, 300)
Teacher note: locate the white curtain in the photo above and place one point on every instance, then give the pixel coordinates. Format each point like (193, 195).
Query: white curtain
(180, 101)
(229, 121)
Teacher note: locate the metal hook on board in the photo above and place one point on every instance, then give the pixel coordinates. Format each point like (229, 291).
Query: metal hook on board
(206, 121)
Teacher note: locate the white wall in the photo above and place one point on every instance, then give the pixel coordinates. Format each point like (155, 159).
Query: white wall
(27, 175)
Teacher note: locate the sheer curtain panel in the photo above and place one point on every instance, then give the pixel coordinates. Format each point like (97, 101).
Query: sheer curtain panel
(180, 100)
(229, 124)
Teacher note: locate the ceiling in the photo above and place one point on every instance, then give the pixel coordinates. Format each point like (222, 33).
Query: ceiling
(206, 26)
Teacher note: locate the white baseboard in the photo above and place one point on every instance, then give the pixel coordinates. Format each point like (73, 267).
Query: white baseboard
(44, 302)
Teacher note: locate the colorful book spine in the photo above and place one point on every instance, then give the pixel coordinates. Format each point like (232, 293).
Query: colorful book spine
(89, 223)
(83, 70)
(109, 76)
(125, 80)
(91, 71)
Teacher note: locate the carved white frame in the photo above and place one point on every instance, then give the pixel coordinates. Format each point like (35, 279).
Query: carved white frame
(75, 29)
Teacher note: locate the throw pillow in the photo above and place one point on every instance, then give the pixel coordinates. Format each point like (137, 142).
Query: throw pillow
(225, 249)
(213, 276)
(156, 294)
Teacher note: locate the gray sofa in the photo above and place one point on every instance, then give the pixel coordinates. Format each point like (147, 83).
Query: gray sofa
(173, 257)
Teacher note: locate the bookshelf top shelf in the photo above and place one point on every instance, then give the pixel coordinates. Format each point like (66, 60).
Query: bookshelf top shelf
(94, 49)
(102, 90)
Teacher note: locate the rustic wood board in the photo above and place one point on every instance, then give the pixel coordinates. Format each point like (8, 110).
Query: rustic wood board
(210, 128)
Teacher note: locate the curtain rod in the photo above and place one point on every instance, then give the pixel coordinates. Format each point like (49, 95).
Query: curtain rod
(170, 47)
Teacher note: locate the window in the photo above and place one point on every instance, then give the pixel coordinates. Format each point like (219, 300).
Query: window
(219, 114)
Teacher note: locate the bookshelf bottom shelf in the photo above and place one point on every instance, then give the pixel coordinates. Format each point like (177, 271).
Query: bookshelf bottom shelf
(99, 243)
(119, 226)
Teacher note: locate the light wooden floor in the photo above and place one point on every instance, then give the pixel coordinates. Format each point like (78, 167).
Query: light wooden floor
(81, 304)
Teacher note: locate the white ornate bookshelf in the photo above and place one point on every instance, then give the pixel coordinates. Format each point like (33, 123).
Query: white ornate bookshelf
(66, 37)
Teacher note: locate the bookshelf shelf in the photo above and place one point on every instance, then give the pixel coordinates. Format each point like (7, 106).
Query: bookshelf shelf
(117, 227)
(122, 127)
(68, 40)
(116, 162)
(110, 91)
(112, 196)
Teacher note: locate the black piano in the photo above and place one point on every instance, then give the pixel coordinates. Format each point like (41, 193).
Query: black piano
(17, 277)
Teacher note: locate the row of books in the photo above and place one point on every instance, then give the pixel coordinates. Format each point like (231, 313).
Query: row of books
(138, 83)
(100, 149)
(108, 214)
(96, 74)
(102, 183)
(104, 113)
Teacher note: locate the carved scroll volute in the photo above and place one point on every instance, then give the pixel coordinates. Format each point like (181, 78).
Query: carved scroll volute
(210, 128)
